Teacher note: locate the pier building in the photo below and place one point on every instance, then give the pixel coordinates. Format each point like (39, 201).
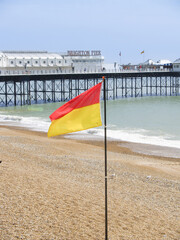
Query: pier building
(176, 65)
(43, 62)
(150, 65)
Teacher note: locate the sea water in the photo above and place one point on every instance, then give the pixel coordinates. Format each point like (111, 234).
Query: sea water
(150, 120)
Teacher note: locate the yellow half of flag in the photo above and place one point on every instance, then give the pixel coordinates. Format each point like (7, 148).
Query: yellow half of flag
(80, 113)
(142, 52)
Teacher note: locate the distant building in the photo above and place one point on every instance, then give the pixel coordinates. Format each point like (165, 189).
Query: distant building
(149, 62)
(176, 65)
(149, 65)
(163, 62)
(109, 66)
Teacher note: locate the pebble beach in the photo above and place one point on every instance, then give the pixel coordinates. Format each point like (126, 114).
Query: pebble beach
(53, 188)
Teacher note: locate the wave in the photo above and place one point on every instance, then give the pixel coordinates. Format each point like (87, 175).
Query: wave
(137, 136)
(32, 123)
(130, 135)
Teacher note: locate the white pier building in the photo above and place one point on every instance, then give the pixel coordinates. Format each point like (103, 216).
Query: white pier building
(176, 65)
(43, 62)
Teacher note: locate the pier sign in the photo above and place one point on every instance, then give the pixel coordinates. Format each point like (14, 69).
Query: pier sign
(84, 53)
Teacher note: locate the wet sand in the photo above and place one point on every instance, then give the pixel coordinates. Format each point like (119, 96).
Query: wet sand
(54, 189)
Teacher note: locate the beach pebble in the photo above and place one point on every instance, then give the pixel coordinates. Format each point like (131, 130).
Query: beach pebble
(113, 175)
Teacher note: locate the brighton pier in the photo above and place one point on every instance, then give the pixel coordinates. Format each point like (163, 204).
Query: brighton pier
(31, 77)
(43, 88)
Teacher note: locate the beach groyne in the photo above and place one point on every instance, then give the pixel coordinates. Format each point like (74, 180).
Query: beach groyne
(32, 89)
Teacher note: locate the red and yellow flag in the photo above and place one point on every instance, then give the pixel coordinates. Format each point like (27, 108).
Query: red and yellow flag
(80, 113)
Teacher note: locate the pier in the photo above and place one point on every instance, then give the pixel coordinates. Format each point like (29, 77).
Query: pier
(26, 89)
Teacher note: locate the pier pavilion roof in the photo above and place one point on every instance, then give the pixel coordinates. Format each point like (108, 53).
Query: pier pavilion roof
(177, 60)
(30, 54)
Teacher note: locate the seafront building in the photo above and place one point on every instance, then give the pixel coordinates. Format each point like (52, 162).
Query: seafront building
(43, 62)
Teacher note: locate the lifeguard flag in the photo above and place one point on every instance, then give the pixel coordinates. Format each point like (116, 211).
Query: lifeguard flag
(80, 113)
(142, 52)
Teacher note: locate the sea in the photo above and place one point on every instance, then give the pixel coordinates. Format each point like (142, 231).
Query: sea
(147, 120)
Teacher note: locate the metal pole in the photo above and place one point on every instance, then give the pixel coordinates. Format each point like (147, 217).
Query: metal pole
(105, 155)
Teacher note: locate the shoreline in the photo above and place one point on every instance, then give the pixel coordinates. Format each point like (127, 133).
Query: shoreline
(133, 147)
(136, 147)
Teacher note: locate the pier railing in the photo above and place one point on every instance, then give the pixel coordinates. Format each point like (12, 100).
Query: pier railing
(78, 71)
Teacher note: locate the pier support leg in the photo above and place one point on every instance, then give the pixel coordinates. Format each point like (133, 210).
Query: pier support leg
(44, 90)
(135, 87)
(21, 93)
(14, 93)
(6, 93)
(35, 91)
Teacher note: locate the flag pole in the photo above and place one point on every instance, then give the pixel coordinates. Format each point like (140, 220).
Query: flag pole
(105, 155)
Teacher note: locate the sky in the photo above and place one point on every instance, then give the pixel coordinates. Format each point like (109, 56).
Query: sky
(112, 26)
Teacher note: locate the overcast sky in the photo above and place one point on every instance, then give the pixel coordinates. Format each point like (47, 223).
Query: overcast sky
(112, 26)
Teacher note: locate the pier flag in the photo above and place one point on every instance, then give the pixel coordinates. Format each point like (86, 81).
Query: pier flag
(80, 113)
(142, 52)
